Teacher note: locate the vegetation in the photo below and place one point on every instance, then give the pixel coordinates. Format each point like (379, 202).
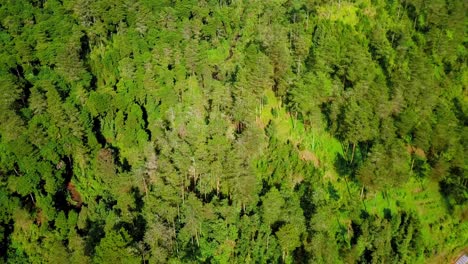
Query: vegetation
(231, 131)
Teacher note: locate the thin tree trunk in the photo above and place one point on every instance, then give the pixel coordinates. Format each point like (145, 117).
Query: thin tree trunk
(347, 186)
(268, 238)
(178, 214)
(32, 198)
(175, 233)
(183, 194)
(362, 200)
(145, 186)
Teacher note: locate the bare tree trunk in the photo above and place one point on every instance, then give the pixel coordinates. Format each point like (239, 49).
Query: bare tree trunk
(183, 194)
(32, 198)
(145, 186)
(175, 233)
(347, 186)
(352, 155)
(268, 238)
(362, 200)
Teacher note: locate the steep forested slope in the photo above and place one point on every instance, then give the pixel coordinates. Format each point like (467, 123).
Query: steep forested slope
(233, 131)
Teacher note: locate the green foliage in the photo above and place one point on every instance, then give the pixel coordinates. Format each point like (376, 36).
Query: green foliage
(232, 131)
(113, 249)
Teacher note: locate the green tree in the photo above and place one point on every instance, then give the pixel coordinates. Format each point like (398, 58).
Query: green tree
(113, 248)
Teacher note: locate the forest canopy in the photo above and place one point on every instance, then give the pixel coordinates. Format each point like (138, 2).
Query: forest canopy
(233, 131)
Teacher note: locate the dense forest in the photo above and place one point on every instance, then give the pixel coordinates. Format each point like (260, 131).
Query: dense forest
(233, 131)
